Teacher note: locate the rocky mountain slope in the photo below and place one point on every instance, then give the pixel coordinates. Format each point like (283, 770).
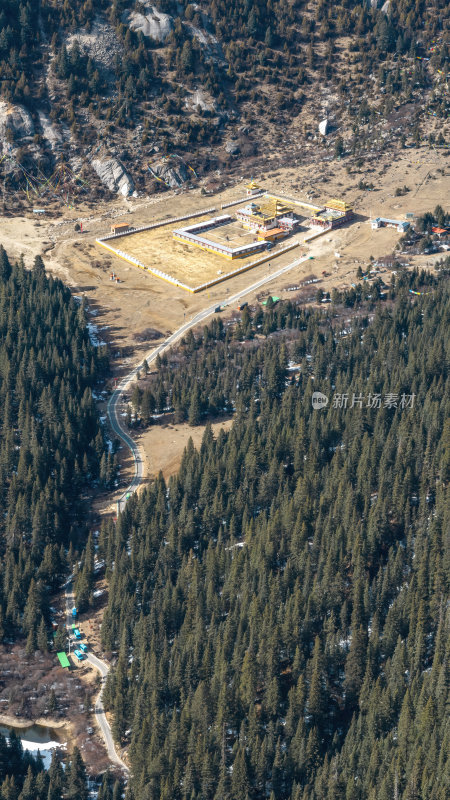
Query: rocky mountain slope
(135, 97)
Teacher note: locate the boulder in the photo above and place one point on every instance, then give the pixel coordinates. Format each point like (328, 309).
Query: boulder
(15, 119)
(323, 127)
(198, 98)
(232, 148)
(151, 22)
(173, 172)
(113, 175)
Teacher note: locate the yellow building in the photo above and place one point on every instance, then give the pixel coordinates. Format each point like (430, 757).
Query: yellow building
(265, 215)
(335, 213)
(252, 188)
(272, 235)
(338, 205)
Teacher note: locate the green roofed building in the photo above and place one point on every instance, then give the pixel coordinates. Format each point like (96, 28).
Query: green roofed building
(63, 660)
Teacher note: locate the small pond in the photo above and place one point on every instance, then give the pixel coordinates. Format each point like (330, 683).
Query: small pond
(37, 737)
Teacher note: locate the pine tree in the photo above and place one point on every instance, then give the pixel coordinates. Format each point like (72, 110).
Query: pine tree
(240, 784)
(76, 777)
(187, 58)
(42, 639)
(5, 266)
(29, 787)
(31, 645)
(38, 266)
(194, 408)
(355, 667)
(316, 699)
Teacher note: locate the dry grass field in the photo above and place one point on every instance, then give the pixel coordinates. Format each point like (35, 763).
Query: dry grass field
(232, 235)
(188, 263)
(164, 444)
(142, 300)
(125, 311)
(193, 266)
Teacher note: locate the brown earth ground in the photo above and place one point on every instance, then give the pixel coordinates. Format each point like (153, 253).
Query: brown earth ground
(140, 301)
(126, 309)
(187, 263)
(25, 686)
(164, 445)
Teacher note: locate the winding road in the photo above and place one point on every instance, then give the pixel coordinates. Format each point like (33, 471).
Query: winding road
(115, 399)
(113, 411)
(103, 669)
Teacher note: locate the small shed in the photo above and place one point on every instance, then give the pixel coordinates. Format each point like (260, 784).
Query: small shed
(120, 227)
(63, 660)
(272, 235)
(439, 231)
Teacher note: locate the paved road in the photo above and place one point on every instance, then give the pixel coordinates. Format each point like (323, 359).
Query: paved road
(103, 669)
(113, 411)
(116, 424)
(113, 407)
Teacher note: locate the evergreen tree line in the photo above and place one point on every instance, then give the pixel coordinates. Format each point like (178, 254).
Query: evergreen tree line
(212, 374)
(283, 43)
(23, 777)
(51, 441)
(438, 217)
(280, 607)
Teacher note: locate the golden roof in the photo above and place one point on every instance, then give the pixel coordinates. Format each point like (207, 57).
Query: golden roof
(338, 205)
(274, 207)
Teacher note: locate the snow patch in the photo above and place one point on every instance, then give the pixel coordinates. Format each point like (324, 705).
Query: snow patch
(93, 335)
(45, 751)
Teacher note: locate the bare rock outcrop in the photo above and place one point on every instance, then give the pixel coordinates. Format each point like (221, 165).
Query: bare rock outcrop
(173, 172)
(212, 49)
(151, 22)
(50, 131)
(15, 119)
(113, 175)
(100, 43)
(199, 99)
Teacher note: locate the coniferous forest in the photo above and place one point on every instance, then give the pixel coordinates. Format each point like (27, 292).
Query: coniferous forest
(259, 66)
(280, 607)
(51, 441)
(23, 777)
